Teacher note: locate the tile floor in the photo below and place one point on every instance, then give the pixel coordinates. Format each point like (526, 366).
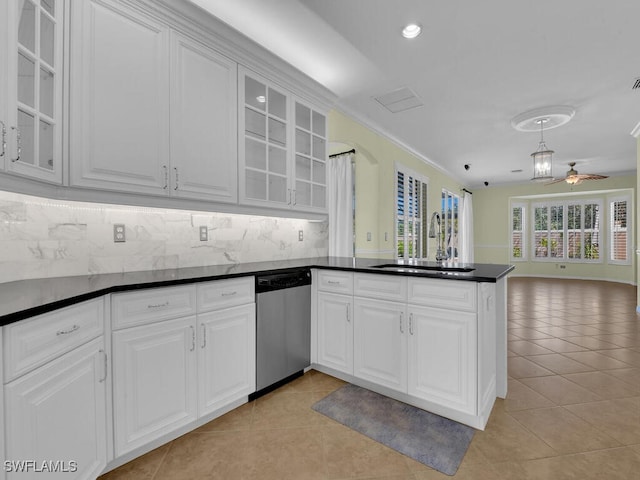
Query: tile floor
(572, 412)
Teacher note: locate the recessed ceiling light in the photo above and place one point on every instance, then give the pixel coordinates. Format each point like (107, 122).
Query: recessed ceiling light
(411, 31)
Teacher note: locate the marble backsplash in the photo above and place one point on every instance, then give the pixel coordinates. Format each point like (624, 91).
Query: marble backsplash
(40, 238)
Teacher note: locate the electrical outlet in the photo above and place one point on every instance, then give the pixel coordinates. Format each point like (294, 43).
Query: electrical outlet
(300, 235)
(204, 233)
(562, 267)
(368, 236)
(119, 233)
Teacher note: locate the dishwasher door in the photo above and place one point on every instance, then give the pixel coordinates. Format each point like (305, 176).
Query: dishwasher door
(283, 334)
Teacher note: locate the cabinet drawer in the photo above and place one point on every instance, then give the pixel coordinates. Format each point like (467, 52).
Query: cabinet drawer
(221, 294)
(152, 305)
(335, 281)
(38, 340)
(381, 287)
(454, 294)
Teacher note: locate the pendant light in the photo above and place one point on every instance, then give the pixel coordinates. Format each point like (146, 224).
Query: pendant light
(542, 157)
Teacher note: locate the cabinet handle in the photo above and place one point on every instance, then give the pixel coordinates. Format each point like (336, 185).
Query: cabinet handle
(204, 336)
(228, 294)
(4, 138)
(293, 192)
(68, 331)
(401, 328)
(159, 305)
(104, 377)
(489, 303)
(166, 177)
(193, 338)
(177, 185)
(411, 323)
(19, 143)
(289, 195)
(333, 282)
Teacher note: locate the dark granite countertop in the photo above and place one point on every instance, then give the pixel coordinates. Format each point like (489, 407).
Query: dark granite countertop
(26, 298)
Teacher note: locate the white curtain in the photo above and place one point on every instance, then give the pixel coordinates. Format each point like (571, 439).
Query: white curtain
(466, 229)
(340, 202)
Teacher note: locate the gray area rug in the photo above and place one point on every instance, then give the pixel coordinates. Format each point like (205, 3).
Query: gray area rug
(435, 441)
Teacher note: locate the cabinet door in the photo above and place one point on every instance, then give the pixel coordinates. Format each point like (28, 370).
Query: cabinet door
(335, 332)
(154, 375)
(227, 349)
(119, 119)
(442, 357)
(380, 343)
(310, 169)
(264, 148)
(57, 413)
(34, 89)
(203, 122)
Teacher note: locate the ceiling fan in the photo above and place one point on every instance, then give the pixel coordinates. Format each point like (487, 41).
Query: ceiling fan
(575, 178)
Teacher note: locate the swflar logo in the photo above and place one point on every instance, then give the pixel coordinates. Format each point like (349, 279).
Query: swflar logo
(24, 466)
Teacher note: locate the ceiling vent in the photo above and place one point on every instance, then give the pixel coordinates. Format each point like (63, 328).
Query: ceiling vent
(399, 100)
(636, 84)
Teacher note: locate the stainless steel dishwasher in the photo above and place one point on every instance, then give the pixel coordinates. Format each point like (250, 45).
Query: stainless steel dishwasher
(283, 328)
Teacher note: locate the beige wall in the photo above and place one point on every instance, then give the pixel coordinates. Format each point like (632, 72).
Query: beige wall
(492, 228)
(375, 184)
(375, 204)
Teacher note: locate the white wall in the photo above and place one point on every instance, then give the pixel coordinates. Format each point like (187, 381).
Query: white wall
(40, 237)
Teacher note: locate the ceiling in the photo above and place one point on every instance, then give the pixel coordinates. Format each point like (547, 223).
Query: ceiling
(475, 67)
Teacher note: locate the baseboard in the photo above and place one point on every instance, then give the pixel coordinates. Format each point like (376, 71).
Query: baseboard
(564, 277)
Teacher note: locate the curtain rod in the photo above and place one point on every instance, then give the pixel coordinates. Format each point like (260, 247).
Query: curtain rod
(465, 190)
(353, 150)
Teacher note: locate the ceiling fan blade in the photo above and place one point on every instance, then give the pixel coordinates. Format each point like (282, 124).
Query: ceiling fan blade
(591, 176)
(556, 180)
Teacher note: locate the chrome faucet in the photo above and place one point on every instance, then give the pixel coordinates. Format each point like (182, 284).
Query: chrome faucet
(435, 231)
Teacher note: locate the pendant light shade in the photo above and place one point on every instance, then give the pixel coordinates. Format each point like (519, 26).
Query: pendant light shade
(542, 158)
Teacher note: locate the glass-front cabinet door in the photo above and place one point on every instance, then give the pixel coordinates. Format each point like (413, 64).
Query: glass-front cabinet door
(264, 142)
(34, 84)
(310, 158)
(282, 148)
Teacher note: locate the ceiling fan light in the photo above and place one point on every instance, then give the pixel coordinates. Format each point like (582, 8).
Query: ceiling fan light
(573, 180)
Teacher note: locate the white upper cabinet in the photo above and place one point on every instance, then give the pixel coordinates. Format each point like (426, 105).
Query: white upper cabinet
(310, 158)
(119, 125)
(282, 147)
(153, 112)
(31, 84)
(203, 122)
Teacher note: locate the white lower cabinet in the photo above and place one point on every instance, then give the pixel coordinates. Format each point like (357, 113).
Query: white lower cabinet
(154, 373)
(227, 348)
(56, 417)
(442, 357)
(380, 342)
(170, 374)
(424, 341)
(335, 331)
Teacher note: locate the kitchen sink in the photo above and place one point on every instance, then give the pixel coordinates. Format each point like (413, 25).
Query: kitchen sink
(398, 267)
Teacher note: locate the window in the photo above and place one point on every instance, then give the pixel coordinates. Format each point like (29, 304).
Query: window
(518, 222)
(567, 231)
(449, 219)
(411, 215)
(619, 241)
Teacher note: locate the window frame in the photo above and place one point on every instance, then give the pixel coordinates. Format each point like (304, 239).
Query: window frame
(565, 232)
(524, 254)
(414, 214)
(611, 229)
(451, 203)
